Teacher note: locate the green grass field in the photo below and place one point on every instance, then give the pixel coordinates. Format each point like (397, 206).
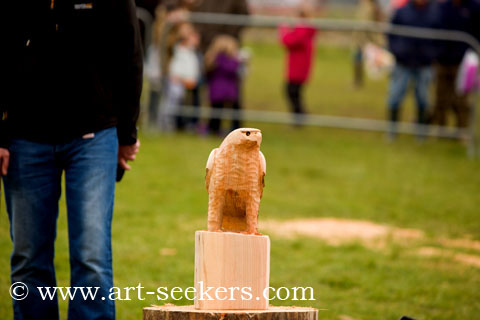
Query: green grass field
(315, 173)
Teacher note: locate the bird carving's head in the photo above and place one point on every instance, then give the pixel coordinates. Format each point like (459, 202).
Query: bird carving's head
(247, 137)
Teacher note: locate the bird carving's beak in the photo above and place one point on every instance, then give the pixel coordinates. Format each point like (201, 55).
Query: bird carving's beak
(259, 137)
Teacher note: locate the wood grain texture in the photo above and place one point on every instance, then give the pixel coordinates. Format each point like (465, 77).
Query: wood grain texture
(171, 312)
(230, 260)
(234, 180)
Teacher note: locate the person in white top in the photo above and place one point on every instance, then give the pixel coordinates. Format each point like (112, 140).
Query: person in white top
(183, 73)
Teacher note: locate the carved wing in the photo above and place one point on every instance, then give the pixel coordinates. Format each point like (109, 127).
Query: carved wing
(210, 163)
(263, 172)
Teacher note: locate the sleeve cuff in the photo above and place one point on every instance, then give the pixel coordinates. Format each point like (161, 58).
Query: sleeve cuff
(127, 137)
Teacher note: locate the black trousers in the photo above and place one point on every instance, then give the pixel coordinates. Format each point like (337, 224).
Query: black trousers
(294, 94)
(215, 121)
(447, 99)
(192, 98)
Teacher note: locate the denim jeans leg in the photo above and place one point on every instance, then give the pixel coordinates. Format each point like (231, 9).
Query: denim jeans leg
(423, 78)
(90, 169)
(32, 191)
(398, 86)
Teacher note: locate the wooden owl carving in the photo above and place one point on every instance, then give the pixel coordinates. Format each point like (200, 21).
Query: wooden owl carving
(235, 180)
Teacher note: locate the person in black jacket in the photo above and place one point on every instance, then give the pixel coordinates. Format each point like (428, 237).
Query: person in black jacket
(413, 60)
(70, 88)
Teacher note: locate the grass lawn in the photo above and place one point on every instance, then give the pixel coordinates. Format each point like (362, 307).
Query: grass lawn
(312, 172)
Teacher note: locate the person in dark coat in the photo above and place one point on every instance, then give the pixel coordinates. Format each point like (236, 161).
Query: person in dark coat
(70, 88)
(413, 60)
(460, 15)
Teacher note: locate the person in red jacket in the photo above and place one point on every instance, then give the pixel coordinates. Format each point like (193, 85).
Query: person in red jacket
(299, 43)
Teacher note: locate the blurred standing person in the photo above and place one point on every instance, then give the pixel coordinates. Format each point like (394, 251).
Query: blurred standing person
(208, 32)
(452, 15)
(222, 66)
(184, 70)
(71, 81)
(168, 11)
(413, 61)
(192, 95)
(368, 10)
(299, 43)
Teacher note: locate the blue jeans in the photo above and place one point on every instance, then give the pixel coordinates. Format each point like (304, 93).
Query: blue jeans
(32, 192)
(401, 78)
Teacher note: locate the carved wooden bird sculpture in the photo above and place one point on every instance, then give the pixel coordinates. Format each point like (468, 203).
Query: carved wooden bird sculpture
(235, 181)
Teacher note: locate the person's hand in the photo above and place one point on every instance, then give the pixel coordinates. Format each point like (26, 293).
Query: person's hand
(4, 161)
(127, 153)
(189, 84)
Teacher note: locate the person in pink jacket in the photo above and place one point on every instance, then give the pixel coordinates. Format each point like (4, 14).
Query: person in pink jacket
(299, 43)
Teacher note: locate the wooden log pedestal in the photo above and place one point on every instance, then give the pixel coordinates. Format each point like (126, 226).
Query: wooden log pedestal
(235, 266)
(171, 312)
(229, 260)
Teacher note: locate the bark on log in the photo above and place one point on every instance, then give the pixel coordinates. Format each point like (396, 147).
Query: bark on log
(170, 312)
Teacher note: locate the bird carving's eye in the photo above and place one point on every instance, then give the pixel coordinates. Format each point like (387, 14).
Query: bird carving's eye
(247, 133)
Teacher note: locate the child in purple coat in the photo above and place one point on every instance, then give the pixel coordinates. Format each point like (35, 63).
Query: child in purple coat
(223, 71)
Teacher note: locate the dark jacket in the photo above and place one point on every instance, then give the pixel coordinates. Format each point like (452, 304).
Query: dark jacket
(409, 51)
(460, 16)
(209, 31)
(73, 67)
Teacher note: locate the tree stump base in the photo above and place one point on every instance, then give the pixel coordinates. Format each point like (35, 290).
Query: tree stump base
(171, 312)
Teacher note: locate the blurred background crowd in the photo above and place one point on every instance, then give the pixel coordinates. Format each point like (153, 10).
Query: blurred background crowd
(197, 64)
